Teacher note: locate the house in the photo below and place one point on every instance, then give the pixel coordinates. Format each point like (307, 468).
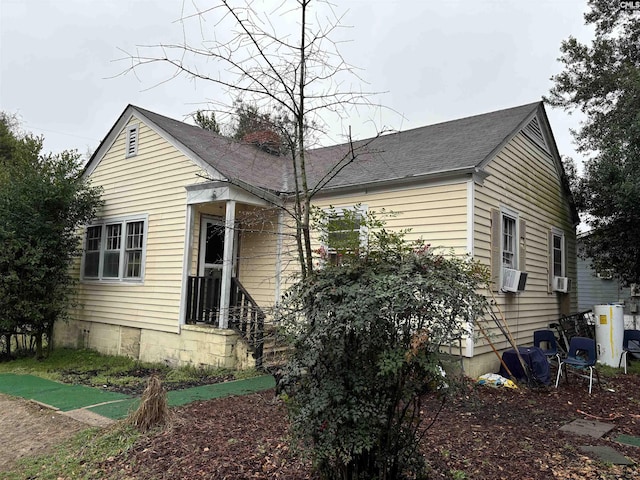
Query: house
(604, 287)
(189, 252)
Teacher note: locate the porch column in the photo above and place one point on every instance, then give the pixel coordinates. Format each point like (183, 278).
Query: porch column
(227, 263)
(186, 262)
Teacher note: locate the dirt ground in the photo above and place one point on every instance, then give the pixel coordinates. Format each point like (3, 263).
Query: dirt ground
(29, 429)
(482, 434)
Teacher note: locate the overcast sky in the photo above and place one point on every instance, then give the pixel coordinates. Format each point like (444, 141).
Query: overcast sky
(437, 60)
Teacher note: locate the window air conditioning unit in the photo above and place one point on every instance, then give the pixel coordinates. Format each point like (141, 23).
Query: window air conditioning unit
(561, 284)
(513, 280)
(606, 274)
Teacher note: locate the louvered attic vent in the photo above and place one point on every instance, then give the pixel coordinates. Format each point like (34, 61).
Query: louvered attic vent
(534, 132)
(132, 140)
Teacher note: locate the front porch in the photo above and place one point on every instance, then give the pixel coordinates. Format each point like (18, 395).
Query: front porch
(244, 314)
(230, 241)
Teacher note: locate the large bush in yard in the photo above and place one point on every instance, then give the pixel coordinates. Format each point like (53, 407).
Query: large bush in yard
(366, 336)
(43, 202)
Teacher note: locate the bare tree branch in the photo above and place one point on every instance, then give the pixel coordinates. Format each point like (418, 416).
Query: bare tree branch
(300, 76)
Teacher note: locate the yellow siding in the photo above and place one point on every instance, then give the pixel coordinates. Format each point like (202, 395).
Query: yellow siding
(525, 179)
(151, 183)
(436, 214)
(257, 254)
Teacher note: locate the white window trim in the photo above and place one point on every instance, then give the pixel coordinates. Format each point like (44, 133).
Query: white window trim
(563, 249)
(131, 131)
(362, 209)
(508, 212)
(103, 222)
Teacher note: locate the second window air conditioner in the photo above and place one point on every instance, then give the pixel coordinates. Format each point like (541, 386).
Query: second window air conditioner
(561, 284)
(513, 280)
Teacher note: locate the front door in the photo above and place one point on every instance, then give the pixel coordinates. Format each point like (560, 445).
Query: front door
(211, 251)
(211, 248)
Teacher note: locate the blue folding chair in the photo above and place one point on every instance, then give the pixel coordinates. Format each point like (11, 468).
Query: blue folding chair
(630, 344)
(545, 340)
(581, 356)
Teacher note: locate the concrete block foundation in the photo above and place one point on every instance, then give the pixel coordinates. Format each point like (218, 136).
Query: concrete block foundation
(195, 345)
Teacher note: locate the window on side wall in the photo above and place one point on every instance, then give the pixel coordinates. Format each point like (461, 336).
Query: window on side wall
(557, 253)
(345, 233)
(114, 250)
(508, 250)
(558, 281)
(509, 222)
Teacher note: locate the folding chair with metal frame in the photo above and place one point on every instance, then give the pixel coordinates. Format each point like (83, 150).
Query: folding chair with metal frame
(630, 344)
(582, 356)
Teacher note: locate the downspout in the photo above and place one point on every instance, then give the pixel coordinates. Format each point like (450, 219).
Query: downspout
(278, 276)
(471, 215)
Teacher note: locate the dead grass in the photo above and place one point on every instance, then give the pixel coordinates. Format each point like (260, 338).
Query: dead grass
(153, 411)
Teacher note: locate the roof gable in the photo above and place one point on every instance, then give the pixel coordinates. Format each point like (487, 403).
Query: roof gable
(122, 123)
(232, 159)
(220, 157)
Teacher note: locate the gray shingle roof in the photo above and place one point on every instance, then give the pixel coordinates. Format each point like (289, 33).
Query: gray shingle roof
(445, 147)
(233, 159)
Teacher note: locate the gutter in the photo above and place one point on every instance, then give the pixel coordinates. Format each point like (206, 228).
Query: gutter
(462, 173)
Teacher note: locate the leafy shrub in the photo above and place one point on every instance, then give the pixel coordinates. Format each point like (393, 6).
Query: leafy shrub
(366, 335)
(43, 202)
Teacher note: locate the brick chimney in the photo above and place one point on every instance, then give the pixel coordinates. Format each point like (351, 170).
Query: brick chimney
(266, 140)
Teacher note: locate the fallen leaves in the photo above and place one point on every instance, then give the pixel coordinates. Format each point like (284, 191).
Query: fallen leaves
(485, 434)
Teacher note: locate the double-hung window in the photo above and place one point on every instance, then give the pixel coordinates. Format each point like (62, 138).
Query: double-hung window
(111, 255)
(114, 250)
(508, 249)
(509, 241)
(345, 233)
(92, 251)
(557, 270)
(133, 249)
(557, 253)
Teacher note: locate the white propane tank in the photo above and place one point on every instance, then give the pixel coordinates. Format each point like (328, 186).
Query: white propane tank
(609, 333)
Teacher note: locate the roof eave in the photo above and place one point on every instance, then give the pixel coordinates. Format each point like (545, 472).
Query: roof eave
(575, 216)
(440, 176)
(106, 142)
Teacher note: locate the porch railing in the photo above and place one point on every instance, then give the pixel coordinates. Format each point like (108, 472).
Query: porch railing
(245, 316)
(203, 300)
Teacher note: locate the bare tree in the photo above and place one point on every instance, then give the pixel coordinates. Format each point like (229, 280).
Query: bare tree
(300, 78)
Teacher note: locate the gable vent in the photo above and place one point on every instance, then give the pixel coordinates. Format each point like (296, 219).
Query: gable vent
(534, 133)
(132, 140)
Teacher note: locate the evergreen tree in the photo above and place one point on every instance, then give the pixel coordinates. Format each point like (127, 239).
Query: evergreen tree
(43, 202)
(602, 80)
(208, 122)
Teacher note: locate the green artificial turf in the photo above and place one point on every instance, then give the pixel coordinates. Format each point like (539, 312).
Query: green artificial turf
(59, 395)
(175, 398)
(217, 390)
(116, 405)
(628, 440)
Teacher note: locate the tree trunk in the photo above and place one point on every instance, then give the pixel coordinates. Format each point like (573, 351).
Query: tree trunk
(39, 353)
